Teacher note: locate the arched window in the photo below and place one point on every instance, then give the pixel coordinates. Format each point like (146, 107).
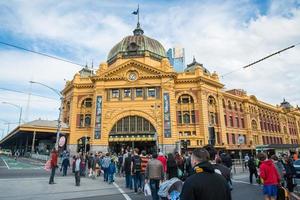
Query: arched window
(284, 130)
(254, 125)
(211, 100)
(133, 124)
(87, 103)
(235, 106)
(241, 107)
(185, 98)
(229, 105)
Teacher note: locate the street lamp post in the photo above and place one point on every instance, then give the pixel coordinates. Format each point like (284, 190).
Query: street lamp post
(60, 110)
(17, 106)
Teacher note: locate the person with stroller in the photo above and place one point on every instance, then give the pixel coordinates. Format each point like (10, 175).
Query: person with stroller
(204, 183)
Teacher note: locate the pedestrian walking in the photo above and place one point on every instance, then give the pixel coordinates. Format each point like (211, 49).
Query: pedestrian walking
(144, 162)
(163, 160)
(111, 171)
(180, 162)
(120, 164)
(252, 169)
(280, 168)
(270, 177)
(154, 175)
(246, 160)
(54, 156)
(77, 170)
(65, 165)
(105, 165)
(172, 169)
(204, 183)
(136, 167)
(188, 166)
(127, 171)
(290, 173)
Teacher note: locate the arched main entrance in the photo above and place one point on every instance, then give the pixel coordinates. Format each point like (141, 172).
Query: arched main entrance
(132, 132)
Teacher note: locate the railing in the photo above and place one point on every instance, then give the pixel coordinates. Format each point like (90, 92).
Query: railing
(40, 157)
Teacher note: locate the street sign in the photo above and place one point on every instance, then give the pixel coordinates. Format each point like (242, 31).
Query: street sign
(241, 139)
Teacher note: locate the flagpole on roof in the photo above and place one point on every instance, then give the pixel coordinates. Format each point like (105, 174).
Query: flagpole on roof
(138, 12)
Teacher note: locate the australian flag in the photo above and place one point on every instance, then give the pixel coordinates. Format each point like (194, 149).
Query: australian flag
(136, 12)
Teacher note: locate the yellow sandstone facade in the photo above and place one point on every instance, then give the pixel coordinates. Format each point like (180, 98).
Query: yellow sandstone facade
(136, 99)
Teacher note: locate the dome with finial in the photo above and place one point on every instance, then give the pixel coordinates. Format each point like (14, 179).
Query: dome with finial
(137, 45)
(286, 105)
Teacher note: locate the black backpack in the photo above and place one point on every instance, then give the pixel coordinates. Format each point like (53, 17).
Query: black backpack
(137, 164)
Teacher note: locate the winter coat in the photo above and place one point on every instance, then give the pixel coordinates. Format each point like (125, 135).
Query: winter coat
(290, 170)
(65, 163)
(54, 156)
(172, 169)
(205, 184)
(269, 173)
(163, 160)
(280, 168)
(127, 165)
(154, 170)
(252, 165)
(225, 171)
(112, 168)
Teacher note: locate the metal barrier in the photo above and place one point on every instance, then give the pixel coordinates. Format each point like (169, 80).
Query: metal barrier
(40, 157)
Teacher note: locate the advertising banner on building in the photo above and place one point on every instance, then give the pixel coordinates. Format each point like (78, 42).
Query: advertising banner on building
(167, 116)
(98, 118)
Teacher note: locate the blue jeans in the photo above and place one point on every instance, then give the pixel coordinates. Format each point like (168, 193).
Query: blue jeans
(128, 178)
(137, 181)
(142, 181)
(110, 178)
(51, 180)
(105, 174)
(154, 186)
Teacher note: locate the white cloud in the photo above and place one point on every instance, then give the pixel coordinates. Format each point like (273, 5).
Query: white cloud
(222, 36)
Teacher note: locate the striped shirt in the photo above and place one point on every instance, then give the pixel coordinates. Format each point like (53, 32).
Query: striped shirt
(144, 162)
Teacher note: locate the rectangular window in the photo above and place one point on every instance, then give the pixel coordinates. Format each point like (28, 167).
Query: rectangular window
(212, 118)
(133, 123)
(87, 120)
(194, 133)
(197, 142)
(139, 124)
(139, 92)
(243, 122)
(231, 121)
(233, 138)
(81, 124)
(127, 92)
(126, 124)
(218, 138)
(151, 92)
(193, 117)
(227, 137)
(115, 93)
(179, 117)
(237, 122)
(188, 142)
(245, 137)
(225, 118)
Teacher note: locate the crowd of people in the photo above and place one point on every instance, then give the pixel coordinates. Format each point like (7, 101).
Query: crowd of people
(203, 170)
(274, 174)
(206, 173)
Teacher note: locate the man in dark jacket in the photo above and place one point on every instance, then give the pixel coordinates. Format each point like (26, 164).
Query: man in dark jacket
(252, 169)
(204, 183)
(127, 170)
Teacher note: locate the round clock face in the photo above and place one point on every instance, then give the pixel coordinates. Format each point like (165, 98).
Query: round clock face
(132, 76)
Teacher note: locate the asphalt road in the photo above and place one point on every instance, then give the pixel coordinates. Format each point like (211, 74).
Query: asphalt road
(24, 169)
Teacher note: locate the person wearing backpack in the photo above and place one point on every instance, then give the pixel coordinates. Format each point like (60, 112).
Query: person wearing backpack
(105, 165)
(136, 167)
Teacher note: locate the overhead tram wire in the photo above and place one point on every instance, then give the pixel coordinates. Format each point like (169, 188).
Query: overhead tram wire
(17, 91)
(41, 54)
(260, 60)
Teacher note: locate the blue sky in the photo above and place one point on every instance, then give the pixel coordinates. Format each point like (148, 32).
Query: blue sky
(223, 35)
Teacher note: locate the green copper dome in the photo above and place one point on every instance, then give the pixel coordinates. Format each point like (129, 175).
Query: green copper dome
(136, 45)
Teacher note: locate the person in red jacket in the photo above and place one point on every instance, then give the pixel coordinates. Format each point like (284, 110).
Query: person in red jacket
(270, 177)
(163, 160)
(54, 156)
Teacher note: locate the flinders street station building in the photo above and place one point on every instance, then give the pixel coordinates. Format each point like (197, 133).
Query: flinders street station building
(136, 99)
